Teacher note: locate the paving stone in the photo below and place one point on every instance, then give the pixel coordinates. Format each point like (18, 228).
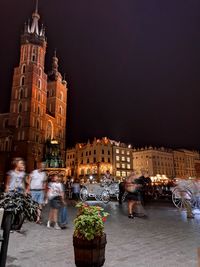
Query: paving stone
(166, 238)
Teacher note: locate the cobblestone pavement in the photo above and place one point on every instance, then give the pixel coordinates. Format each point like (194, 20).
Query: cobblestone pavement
(166, 238)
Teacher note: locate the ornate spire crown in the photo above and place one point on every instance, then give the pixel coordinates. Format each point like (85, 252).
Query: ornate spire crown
(34, 27)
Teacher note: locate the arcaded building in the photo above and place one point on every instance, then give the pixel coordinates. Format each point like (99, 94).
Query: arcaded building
(34, 127)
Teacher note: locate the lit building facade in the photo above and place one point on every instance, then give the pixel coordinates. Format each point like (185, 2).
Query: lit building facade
(97, 157)
(154, 160)
(38, 104)
(180, 163)
(186, 163)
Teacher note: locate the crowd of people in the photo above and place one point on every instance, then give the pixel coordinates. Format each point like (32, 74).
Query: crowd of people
(54, 191)
(41, 189)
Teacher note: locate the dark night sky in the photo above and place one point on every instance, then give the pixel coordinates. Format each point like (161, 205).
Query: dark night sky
(132, 66)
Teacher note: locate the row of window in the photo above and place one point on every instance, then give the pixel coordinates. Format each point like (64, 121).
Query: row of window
(22, 82)
(153, 157)
(89, 153)
(33, 54)
(122, 151)
(122, 173)
(94, 160)
(123, 158)
(123, 166)
(51, 92)
(60, 109)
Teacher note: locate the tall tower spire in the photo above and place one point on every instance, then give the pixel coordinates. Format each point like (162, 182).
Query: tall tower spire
(35, 17)
(36, 6)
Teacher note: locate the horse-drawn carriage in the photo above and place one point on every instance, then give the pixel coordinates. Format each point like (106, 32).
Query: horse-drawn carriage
(100, 191)
(186, 192)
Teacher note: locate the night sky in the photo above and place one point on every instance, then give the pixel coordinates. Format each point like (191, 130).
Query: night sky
(132, 66)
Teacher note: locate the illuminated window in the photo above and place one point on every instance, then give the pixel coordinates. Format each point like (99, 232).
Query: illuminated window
(128, 159)
(118, 165)
(123, 174)
(117, 151)
(123, 165)
(117, 158)
(128, 166)
(118, 173)
(123, 158)
(128, 152)
(122, 151)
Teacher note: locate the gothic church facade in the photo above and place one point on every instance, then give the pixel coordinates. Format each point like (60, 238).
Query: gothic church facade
(35, 126)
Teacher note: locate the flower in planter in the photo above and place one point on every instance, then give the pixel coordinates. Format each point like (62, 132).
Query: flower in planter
(89, 222)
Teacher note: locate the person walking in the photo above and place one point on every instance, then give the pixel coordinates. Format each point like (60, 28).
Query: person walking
(56, 201)
(16, 178)
(132, 185)
(76, 190)
(37, 184)
(121, 191)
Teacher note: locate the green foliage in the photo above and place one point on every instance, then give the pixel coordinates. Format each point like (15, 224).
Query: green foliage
(89, 222)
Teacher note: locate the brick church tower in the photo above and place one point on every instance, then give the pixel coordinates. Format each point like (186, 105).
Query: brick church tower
(38, 103)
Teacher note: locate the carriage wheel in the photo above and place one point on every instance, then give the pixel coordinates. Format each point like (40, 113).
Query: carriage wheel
(98, 197)
(83, 194)
(105, 196)
(182, 197)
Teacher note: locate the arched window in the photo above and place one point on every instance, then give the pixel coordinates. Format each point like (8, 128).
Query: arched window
(22, 80)
(39, 84)
(19, 122)
(23, 69)
(34, 54)
(38, 124)
(60, 110)
(21, 93)
(38, 97)
(20, 107)
(38, 110)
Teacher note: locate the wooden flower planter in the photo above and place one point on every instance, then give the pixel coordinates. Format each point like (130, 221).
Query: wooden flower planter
(89, 253)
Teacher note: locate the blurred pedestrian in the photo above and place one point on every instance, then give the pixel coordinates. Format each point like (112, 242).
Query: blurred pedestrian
(132, 185)
(76, 190)
(121, 190)
(16, 178)
(37, 185)
(56, 200)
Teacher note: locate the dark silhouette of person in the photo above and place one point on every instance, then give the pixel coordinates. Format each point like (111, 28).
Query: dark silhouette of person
(121, 191)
